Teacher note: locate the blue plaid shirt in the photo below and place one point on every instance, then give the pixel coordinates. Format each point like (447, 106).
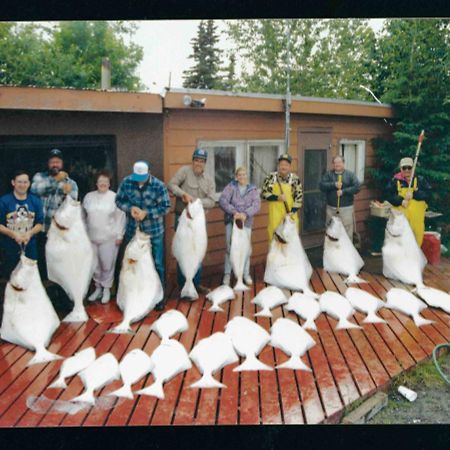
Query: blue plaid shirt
(153, 198)
(51, 193)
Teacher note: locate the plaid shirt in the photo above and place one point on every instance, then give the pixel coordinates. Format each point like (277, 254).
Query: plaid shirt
(153, 198)
(51, 193)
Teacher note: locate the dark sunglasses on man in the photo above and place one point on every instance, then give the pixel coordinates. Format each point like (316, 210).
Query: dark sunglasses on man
(407, 168)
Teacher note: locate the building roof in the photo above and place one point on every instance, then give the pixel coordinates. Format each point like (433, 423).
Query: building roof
(67, 99)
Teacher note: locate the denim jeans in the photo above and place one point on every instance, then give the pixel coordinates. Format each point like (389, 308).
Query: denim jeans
(228, 232)
(180, 277)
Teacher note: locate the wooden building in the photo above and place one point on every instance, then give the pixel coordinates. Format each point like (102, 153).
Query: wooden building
(99, 129)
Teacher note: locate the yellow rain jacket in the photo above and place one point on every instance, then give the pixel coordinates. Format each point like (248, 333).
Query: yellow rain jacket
(291, 188)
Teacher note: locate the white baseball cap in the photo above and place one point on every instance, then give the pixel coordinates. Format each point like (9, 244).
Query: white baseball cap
(140, 171)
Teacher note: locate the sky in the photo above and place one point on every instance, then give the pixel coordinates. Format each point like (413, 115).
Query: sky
(167, 46)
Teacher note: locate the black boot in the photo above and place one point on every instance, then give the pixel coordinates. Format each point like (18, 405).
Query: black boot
(160, 306)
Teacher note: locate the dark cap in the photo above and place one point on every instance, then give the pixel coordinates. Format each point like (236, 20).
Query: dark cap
(199, 153)
(285, 157)
(55, 153)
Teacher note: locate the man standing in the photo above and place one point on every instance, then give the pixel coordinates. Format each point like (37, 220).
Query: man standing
(145, 199)
(340, 186)
(283, 190)
(51, 186)
(188, 184)
(412, 202)
(21, 218)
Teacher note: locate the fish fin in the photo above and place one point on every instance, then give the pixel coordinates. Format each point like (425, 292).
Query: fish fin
(77, 315)
(353, 279)
(294, 363)
(240, 286)
(124, 391)
(310, 325)
(252, 363)
(346, 324)
(419, 320)
(215, 308)
(43, 356)
(60, 383)
(155, 390)
(207, 382)
(373, 318)
(122, 328)
(87, 397)
(189, 291)
(263, 313)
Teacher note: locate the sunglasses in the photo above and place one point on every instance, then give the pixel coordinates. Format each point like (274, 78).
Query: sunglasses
(407, 168)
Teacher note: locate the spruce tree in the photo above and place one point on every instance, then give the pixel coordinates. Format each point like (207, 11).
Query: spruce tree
(207, 58)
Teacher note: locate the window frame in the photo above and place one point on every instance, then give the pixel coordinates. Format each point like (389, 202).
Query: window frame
(242, 150)
(360, 155)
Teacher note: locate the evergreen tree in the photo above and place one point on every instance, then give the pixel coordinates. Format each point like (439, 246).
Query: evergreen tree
(207, 58)
(229, 82)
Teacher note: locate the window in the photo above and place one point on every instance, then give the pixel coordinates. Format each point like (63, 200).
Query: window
(260, 158)
(354, 153)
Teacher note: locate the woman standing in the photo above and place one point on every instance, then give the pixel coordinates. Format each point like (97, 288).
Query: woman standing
(239, 200)
(21, 218)
(106, 227)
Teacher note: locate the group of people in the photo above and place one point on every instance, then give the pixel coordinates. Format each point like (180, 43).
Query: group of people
(142, 200)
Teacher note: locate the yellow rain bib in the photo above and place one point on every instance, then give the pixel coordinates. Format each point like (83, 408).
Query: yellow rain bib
(277, 211)
(415, 212)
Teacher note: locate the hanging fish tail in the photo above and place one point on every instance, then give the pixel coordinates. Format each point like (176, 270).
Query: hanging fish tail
(42, 355)
(125, 391)
(122, 328)
(294, 363)
(155, 390)
(78, 314)
(345, 324)
(59, 383)
(240, 286)
(86, 397)
(189, 290)
(207, 381)
(252, 363)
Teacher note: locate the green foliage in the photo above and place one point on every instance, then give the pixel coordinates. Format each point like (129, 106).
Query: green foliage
(207, 59)
(413, 56)
(68, 55)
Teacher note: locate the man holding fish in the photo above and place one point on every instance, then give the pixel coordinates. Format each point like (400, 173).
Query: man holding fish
(340, 186)
(145, 201)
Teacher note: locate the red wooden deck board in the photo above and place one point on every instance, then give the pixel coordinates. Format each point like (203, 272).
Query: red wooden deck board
(354, 360)
(229, 397)
(19, 408)
(385, 357)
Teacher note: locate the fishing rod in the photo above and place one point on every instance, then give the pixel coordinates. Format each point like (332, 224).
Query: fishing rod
(413, 171)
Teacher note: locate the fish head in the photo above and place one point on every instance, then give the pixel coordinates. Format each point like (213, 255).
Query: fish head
(22, 276)
(335, 228)
(138, 247)
(67, 214)
(396, 223)
(194, 209)
(287, 229)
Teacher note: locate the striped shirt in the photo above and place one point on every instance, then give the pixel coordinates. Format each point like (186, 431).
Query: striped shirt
(51, 193)
(153, 198)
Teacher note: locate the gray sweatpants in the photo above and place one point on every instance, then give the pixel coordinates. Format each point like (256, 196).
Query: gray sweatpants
(346, 215)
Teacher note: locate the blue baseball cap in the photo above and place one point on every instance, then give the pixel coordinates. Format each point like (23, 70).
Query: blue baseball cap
(140, 171)
(200, 154)
(55, 153)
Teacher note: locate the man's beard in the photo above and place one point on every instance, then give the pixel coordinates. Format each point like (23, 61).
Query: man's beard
(54, 171)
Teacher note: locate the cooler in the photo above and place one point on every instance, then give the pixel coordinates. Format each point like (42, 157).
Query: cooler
(431, 246)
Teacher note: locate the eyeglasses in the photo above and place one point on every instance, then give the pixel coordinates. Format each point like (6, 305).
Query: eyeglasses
(407, 168)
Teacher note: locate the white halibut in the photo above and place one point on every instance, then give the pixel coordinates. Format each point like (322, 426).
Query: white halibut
(403, 260)
(210, 355)
(269, 298)
(306, 307)
(29, 319)
(339, 308)
(169, 358)
(189, 245)
(293, 340)
(248, 340)
(135, 365)
(139, 288)
(407, 303)
(70, 256)
(239, 252)
(366, 303)
(101, 372)
(71, 366)
(220, 295)
(169, 324)
(339, 253)
(287, 265)
(435, 298)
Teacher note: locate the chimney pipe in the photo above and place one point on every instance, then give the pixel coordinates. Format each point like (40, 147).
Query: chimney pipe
(106, 74)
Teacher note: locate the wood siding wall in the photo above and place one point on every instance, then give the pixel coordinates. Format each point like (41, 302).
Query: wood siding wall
(183, 129)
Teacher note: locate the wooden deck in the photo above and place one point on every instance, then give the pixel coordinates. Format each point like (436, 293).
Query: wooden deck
(346, 365)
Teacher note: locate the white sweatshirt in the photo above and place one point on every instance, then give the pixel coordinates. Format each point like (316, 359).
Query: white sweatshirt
(103, 219)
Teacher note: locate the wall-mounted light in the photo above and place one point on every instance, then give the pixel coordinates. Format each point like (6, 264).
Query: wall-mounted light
(189, 101)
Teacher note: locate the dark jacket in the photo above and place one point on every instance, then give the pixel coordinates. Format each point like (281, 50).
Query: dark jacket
(350, 187)
(421, 194)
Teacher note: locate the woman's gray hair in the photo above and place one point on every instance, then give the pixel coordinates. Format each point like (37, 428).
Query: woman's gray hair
(341, 157)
